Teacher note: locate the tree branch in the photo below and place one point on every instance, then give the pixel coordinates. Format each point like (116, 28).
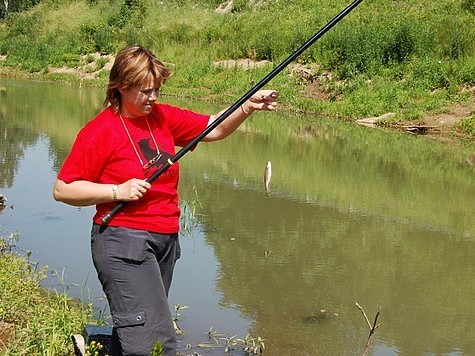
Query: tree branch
(372, 328)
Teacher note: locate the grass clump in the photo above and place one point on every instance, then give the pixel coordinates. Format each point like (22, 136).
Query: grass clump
(467, 126)
(40, 322)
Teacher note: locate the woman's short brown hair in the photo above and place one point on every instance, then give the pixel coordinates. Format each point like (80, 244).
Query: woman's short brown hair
(131, 67)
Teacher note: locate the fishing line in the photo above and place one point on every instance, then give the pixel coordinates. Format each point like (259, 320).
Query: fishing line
(107, 217)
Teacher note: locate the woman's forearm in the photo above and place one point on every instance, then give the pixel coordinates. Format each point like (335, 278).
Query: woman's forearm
(262, 100)
(228, 126)
(82, 193)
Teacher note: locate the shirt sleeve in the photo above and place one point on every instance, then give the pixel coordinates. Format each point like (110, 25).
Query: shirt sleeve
(83, 162)
(185, 125)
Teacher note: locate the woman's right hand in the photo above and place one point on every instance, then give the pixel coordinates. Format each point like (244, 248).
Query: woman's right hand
(133, 189)
(84, 193)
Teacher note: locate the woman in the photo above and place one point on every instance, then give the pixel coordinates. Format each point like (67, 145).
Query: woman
(112, 156)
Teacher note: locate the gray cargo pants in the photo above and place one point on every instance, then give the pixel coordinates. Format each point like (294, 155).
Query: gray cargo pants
(135, 269)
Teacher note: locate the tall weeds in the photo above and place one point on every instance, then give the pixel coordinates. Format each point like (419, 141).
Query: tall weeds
(42, 321)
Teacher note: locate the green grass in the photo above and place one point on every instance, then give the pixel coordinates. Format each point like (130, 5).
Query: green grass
(42, 320)
(411, 58)
(467, 126)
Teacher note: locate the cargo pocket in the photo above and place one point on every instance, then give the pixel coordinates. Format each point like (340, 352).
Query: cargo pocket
(132, 335)
(128, 319)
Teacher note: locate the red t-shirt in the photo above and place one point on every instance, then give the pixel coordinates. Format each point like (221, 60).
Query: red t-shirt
(103, 153)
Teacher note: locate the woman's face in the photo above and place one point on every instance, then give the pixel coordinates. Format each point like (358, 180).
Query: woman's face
(138, 100)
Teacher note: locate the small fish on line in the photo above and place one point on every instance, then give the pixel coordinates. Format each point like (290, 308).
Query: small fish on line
(267, 176)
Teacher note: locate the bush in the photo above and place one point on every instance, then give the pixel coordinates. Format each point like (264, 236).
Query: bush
(467, 126)
(399, 46)
(43, 321)
(469, 5)
(455, 38)
(70, 60)
(24, 24)
(132, 11)
(428, 73)
(95, 38)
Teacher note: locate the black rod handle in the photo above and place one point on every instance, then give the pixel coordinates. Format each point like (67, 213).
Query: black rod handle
(120, 205)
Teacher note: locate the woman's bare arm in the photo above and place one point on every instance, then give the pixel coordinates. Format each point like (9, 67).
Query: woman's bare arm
(263, 100)
(84, 193)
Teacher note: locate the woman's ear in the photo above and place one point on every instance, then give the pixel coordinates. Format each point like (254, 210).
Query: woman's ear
(122, 90)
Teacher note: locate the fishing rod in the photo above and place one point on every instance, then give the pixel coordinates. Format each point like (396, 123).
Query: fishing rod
(119, 206)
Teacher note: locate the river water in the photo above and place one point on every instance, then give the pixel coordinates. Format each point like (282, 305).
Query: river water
(354, 214)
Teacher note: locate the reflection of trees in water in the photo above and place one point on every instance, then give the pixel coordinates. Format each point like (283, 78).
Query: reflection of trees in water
(281, 259)
(30, 110)
(274, 256)
(15, 140)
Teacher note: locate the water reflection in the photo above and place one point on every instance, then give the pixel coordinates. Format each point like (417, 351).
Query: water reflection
(353, 215)
(285, 257)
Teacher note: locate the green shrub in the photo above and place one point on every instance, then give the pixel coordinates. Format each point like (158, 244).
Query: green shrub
(21, 5)
(467, 126)
(71, 60)
(239, 5)
(351, 51)
(465, 71)
(132, 11)
(180, 32)
(24, 24)
(428, 73)
(29, 56)
(455, 38)
(43, 320)
(469, 5)
(399, 46)
(86, 36)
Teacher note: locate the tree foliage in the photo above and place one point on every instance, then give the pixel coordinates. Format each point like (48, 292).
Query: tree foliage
(9, 6)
